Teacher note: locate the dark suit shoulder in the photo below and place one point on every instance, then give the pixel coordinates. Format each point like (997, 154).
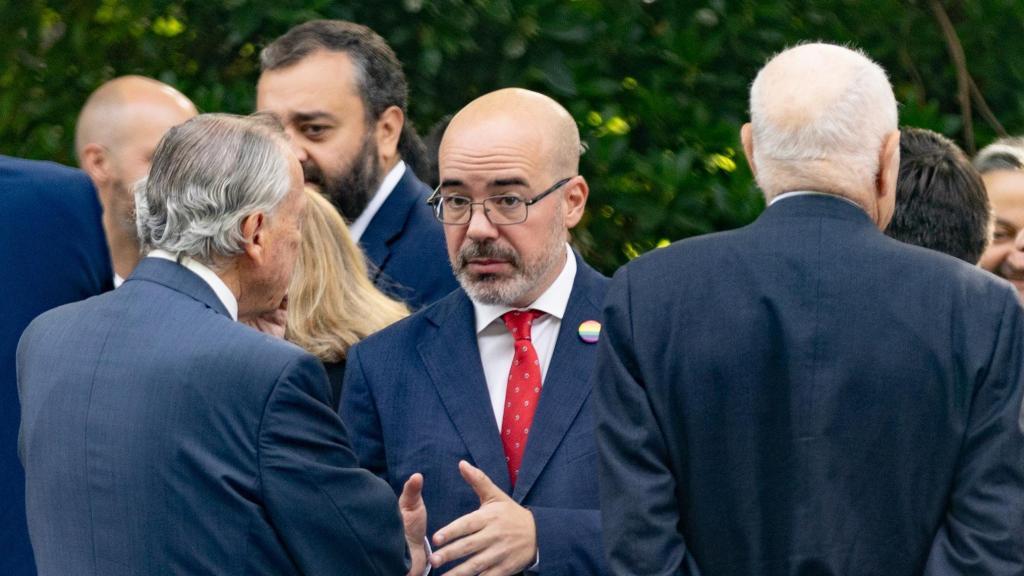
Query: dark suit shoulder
(40, 173)
(408, 331)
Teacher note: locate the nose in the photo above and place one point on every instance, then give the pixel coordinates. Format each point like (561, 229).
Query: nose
(479, 227)
(297, 148)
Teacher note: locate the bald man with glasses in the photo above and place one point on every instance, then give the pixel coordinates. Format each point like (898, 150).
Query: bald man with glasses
(486, 392)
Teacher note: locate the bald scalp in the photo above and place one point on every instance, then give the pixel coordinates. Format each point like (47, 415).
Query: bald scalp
(114, 107)
(555, 129)
(820, 114)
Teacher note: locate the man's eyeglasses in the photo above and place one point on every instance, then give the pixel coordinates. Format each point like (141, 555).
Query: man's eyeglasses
(499, 210)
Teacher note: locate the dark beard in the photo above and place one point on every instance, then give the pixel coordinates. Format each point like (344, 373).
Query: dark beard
(351, 191)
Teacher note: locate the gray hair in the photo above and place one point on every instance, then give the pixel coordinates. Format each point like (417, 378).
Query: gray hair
(1003, 154)
(834, 140)
(208, 174)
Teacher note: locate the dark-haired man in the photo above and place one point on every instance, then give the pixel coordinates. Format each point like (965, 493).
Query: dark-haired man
(340, 91)
(940, 199)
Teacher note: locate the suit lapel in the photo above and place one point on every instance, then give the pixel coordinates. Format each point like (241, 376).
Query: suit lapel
(567, 384)
(452, 358)
(389, 221)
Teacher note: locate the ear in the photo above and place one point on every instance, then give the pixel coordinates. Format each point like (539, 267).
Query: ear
(747, 138)
(888, 165)
(95, 161)
(255, 239)
(387, 132)
(575, 198)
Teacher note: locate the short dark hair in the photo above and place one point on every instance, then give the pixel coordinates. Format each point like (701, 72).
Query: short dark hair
(940, 198)
(379, 76)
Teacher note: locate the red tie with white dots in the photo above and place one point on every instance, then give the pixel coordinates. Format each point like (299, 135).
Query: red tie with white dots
(523, 389)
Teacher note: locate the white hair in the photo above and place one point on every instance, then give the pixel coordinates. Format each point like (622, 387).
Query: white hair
(208, 174)
(819, 116)
(1003, 154)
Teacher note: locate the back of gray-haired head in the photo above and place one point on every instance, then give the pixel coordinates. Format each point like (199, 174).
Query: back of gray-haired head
(1003, 154)
(208, 174)
(819, 115)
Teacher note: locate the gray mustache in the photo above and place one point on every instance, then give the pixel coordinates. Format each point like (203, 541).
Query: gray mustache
(486, 250)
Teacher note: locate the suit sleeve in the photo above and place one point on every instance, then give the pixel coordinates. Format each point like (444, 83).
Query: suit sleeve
(983, 531)
(638, 491)
(333, 517)
(359, 412)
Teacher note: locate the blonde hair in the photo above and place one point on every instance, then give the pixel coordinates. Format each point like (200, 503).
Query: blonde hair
(331, 302)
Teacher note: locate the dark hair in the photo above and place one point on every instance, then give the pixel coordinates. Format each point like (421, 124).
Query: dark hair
(940, 198)
(379, 75)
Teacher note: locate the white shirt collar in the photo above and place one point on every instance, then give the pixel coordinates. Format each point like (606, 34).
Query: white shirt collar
(387, 185)
(227, 298)
(796, 193)
(553, 301)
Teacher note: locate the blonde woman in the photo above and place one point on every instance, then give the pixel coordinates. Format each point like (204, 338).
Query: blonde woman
(331, 302)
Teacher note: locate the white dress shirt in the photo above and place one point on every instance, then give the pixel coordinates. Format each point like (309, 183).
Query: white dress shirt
(497, 344)
(227, 298)
(387, 185)
(796, 193)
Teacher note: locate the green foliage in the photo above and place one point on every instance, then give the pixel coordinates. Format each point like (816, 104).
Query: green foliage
(658, 87)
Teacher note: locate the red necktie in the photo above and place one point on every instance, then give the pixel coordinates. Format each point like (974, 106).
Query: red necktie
(523, 389)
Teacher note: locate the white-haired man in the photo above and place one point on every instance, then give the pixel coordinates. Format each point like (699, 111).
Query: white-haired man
(806, 395)
(158, 434)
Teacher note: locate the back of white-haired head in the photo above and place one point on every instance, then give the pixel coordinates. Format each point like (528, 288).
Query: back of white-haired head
(819, 117)
(208, 174)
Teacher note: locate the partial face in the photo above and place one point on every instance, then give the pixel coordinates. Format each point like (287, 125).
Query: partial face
(318, 101)
(131, 151)
(511, 264)
(1005, 255)
(282, 234)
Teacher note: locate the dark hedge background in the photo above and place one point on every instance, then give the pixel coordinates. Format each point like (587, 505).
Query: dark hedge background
(658, 86)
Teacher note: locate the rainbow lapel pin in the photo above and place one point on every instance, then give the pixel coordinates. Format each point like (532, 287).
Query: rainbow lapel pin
(590, 331)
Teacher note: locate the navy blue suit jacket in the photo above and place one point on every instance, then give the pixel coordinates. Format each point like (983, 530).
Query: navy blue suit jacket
(161, 437)
(406, 245)
(52, 251)
(808, 396)
(416, 400)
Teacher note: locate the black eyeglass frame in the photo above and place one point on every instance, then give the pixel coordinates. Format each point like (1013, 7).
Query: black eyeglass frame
(434, 200)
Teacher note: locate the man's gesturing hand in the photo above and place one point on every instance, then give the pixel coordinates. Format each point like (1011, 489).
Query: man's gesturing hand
(500, 538)
(414, 518)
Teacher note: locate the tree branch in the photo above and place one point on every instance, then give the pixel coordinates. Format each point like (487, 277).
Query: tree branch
(985, 111)
(963, 84)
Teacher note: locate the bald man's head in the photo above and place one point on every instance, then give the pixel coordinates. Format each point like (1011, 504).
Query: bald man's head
(121, 105)
(552, 127)
(117, 133)
(509, 194)
(820, 116)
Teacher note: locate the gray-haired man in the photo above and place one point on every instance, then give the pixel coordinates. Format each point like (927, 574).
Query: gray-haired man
(158, 434)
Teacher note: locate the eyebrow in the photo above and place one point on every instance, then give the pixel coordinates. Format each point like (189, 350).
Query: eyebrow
(499, 183)
(310, 116)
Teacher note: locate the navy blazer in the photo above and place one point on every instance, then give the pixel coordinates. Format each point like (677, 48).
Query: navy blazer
(52, 251)
(416, 400)
(406, 245)
(808, 396)
(161, 437)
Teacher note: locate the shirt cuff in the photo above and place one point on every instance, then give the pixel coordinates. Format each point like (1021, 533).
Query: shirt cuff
(536, 562)
(426, 544)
